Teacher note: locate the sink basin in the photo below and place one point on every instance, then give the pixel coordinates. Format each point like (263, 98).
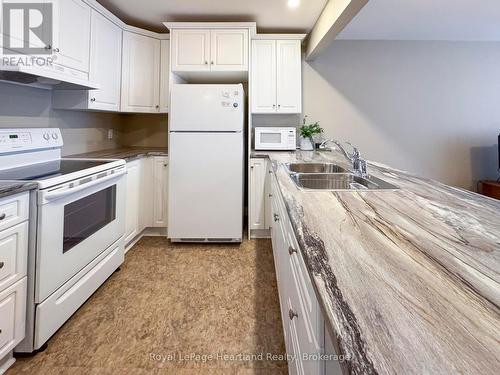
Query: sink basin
(339, 182)
(315, 168)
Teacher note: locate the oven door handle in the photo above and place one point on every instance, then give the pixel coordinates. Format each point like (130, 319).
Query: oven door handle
(58, 194)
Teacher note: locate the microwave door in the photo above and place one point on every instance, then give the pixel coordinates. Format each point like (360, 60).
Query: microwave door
(271, 138)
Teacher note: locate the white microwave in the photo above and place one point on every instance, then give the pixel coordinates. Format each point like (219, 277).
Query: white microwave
(281, 138)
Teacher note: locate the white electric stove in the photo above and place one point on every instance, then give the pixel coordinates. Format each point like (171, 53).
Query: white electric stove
(77, 224)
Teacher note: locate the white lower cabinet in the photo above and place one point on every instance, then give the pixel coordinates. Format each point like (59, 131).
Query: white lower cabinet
(14, 224)
(147, 183)
(303, 323)
(258, 194)
(133, 197)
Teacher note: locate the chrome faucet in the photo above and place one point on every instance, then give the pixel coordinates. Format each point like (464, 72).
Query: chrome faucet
(358, 165)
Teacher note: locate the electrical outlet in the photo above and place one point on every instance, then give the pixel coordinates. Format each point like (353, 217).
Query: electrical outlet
(110, 133)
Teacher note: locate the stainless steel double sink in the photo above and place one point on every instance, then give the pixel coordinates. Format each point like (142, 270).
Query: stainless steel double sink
(332, 177)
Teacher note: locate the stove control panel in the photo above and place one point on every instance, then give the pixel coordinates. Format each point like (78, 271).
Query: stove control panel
(13, 140)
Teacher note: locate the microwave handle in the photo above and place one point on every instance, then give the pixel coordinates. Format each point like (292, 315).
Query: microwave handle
(58, 194)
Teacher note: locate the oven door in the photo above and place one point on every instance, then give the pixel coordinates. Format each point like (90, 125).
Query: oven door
(74, 227)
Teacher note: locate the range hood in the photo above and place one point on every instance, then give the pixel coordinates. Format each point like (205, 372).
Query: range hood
(44, 78)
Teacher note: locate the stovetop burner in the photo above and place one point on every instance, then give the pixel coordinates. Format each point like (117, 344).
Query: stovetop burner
(47, 170)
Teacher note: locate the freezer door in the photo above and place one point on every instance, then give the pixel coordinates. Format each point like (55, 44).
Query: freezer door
(205, 186)
(207, 107)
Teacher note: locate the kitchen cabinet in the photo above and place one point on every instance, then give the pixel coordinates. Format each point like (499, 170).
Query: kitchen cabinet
(263, 80)
(133, 197)
(147, 196)
(303, 323)
(160, 194)
(276, 82)
(229, 50)
(202, 50)
(164, 76)
(105, 63)
(140, 73)
(14, 224)
(190, 50)
(259, 194)
(71, 35)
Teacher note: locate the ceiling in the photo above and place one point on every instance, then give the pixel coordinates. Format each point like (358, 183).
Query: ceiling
(270, 15)
(454, 20)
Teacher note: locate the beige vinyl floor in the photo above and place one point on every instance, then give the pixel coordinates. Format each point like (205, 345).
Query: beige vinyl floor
(169, 309)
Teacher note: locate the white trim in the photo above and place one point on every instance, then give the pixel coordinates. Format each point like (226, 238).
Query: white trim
(252, 26)
(280, 36)
(147, 232)
(106, 13)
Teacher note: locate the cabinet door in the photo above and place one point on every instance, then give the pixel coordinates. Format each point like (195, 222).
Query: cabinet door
(289, 76)
(190, 50)
(72, 35)
(140, 73)
(160, 185)
(263, 81)
(258, 174)
(105, 63)
(229, 50)
(164, 76)
(132, 199)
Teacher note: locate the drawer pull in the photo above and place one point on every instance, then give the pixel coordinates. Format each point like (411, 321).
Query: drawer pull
(1, 265)
(3, 216)
(291, 250)
(276, 217)
(270, 195)
(292, 314)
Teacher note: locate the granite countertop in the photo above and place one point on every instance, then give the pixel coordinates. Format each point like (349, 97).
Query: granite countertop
(126, 153)
(14, 187)
(408, 280)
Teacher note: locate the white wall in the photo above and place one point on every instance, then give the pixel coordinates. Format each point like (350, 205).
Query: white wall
(22, 106)
(432, 108)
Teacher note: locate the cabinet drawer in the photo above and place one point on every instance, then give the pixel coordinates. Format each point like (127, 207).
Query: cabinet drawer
(13, 210)
(12, 316)
(13, 254)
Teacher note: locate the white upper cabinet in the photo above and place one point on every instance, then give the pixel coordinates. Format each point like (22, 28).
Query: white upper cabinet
(190, 50)
(72, 35)
(229, 50)
(263, 81)
(288, 76)
(201, 50)
(140, 74)
(276, 82)
(164, 76)
(105, 63)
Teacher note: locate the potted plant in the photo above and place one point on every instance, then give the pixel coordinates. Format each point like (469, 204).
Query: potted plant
(306, 135)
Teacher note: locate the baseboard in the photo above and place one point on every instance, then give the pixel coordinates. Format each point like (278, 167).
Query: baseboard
(260, 233)
(147, 232)
(6, 362)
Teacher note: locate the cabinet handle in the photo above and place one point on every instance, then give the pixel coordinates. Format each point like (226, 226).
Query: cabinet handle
(292, 314)
(212, 62)
(56, 49)
(48, 47)
(291, 250)
(92, 100)
(157, 107)
(3, 216)
(270, 195)
(165, 165)
(276, 217)
(1, 265)
(279, 106)
(206, 62)
(274, 105)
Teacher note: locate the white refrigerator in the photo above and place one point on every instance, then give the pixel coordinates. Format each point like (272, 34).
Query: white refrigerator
(206, 163)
